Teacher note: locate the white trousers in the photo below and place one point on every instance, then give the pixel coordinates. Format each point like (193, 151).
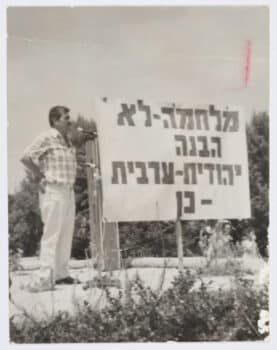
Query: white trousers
(57, 206)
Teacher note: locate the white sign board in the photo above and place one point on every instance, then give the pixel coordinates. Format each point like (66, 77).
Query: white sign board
(163, 161)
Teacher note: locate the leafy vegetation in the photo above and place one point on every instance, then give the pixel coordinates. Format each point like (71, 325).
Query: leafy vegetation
(139, 314)
(258, 158)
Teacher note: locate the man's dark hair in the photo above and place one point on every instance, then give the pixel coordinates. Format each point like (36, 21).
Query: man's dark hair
(56, 112)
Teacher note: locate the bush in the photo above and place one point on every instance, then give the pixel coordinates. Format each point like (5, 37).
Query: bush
(178, 314)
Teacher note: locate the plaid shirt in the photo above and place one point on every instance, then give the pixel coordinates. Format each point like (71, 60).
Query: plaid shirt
(55, 159)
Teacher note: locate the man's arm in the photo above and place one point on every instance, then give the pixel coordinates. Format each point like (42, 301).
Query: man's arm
(31, 156)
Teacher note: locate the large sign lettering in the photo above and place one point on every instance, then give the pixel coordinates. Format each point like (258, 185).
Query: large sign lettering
(160, 162)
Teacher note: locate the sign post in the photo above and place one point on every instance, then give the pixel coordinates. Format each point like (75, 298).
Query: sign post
(94, 203)
(104, 235)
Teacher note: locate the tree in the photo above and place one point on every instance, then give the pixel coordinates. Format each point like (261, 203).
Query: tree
(25, 226)
(81, 238)
(258, 157)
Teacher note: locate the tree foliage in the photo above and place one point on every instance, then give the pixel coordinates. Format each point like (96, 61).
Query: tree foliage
(258, 158)
(25, 225)
(81, 238)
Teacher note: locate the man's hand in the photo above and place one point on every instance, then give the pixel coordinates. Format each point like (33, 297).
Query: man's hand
(40, 181)
(35, 173)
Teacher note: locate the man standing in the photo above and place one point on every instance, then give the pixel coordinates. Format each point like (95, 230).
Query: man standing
(51, 159)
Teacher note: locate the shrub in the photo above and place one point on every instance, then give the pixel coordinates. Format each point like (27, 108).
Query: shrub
(179, 314)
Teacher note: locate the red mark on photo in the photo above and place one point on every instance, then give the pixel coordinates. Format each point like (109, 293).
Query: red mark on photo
(247, 62)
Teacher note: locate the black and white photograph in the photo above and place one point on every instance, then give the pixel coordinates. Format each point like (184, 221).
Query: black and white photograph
(138, 173)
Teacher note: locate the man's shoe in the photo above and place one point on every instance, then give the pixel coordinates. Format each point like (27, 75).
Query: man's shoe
(68, 280)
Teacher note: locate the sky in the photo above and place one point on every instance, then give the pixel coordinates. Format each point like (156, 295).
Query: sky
(188, 55)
